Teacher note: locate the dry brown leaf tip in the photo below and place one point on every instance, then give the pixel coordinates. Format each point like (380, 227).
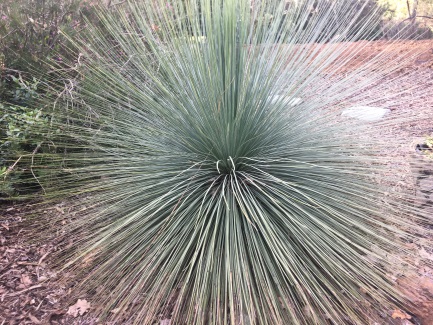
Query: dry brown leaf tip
(79, 308)
(400, 314)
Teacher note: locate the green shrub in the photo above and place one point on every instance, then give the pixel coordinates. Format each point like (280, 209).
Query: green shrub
(18, 147)
(32, 48)
(31, 31)
(408, 30)
(16, 134)
(209, 197)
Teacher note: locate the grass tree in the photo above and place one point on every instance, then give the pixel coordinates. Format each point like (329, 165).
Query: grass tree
(221, 183)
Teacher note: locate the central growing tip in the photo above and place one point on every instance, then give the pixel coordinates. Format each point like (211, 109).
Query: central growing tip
(226, 166)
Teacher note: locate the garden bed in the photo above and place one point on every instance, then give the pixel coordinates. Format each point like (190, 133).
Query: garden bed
(32, 292)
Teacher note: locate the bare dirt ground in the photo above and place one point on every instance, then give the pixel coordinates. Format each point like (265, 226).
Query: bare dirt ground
(30, 289)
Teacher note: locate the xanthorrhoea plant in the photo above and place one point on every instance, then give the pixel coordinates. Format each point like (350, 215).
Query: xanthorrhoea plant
(216, 195)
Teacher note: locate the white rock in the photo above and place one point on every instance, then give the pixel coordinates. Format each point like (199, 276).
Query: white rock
(366, 113)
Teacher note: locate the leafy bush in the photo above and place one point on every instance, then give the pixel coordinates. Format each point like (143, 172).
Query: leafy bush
(31, 31)
(408, 30)
(369, 15)
(16, 135)
(221, 184)
(32, 48)
(18, 142)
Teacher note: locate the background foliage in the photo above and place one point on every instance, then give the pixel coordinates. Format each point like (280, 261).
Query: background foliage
(32, 47)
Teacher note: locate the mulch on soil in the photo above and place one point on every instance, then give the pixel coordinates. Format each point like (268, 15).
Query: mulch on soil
(30, 291)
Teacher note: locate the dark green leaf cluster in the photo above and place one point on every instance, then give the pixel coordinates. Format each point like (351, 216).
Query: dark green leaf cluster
(32, 49)
(25, 131)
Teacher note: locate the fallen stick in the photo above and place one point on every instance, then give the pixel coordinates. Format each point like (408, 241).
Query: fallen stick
(22, 291)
